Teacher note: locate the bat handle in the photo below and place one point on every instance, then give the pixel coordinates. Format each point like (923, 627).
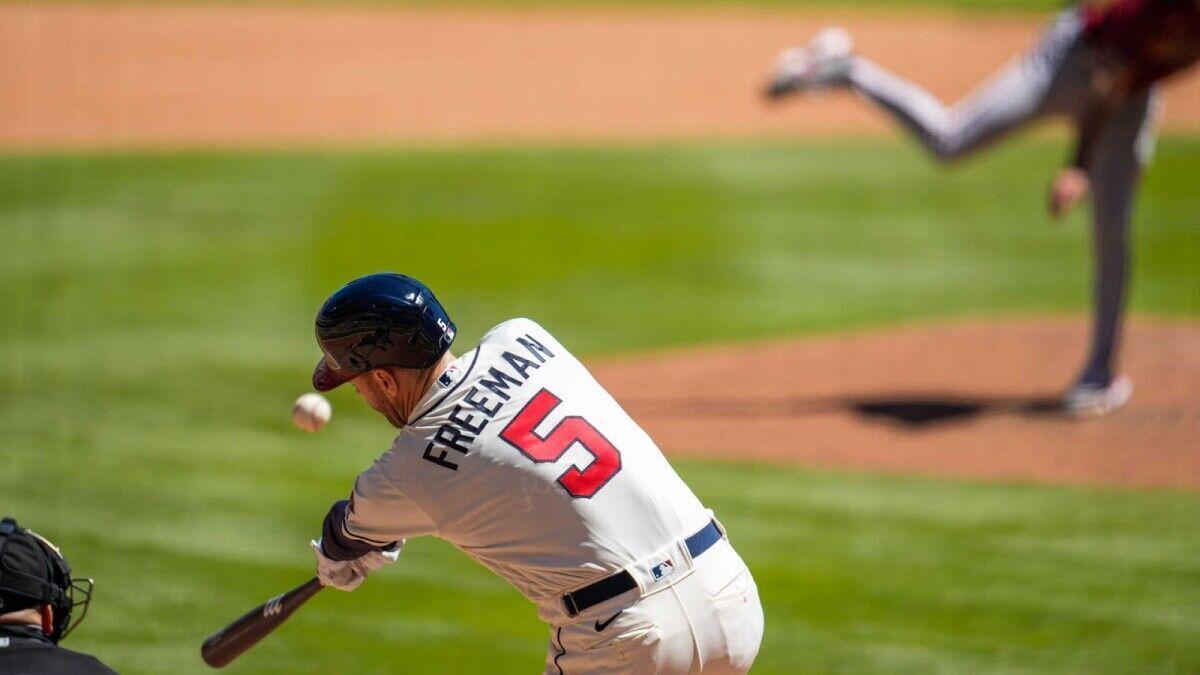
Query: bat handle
(301, 594)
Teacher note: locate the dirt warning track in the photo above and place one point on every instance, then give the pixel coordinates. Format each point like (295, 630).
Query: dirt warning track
(105, 75)
(963, 400)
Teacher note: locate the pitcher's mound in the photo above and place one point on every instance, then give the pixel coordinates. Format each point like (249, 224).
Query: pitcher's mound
(969, 400)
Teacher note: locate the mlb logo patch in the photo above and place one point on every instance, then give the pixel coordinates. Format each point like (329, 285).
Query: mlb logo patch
(449, 376)
(663, 569)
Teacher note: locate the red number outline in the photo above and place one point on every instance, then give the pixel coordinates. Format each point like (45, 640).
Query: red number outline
(581, 484)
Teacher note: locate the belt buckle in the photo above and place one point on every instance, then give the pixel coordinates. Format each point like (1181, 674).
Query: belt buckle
(720, 528)
(569, 604)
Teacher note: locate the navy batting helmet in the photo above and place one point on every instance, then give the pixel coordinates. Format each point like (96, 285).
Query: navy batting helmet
(379, 320)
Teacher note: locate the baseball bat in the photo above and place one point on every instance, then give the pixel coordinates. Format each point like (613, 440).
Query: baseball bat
(230, 642)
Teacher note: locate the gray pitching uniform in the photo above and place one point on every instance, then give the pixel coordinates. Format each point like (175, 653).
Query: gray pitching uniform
(1065, 74)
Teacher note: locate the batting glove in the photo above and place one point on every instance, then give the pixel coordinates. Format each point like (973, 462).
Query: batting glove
(347, 575)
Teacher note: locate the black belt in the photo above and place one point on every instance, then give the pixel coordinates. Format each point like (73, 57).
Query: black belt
(610, 587)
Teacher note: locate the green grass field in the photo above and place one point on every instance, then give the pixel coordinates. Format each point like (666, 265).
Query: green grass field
(158, 327)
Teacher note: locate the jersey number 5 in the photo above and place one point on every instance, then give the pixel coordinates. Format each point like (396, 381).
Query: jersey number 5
(549, 448)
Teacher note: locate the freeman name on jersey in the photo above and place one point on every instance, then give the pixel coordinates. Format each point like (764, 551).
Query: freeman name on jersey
(467, 422)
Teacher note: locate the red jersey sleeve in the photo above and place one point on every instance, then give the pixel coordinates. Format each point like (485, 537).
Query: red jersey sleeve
(1151, 39)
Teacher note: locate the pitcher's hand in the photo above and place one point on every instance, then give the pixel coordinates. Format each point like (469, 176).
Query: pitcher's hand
(1070, 185)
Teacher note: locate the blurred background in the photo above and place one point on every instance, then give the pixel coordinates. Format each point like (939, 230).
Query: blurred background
(850, 352)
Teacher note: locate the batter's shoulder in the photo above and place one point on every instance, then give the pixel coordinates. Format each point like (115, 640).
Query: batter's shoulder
(513, 327)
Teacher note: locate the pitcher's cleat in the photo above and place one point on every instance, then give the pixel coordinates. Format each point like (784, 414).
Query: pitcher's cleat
(1092, 400)
(824, 63)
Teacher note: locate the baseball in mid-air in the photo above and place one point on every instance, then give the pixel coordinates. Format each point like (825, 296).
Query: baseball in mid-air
(311, 412)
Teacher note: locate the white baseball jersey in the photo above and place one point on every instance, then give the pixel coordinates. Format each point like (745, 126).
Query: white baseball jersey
(519, 458)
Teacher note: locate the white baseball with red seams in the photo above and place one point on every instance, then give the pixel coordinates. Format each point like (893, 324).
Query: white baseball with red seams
(310, 412)
(520, 459)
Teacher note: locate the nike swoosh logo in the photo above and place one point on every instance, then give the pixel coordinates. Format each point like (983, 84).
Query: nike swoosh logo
(601, 625)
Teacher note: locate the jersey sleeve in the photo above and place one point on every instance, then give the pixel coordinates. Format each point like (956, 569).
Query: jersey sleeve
(376, 516)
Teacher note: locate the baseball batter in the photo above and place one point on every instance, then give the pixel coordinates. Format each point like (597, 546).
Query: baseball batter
(517, 456)
(1097, 64)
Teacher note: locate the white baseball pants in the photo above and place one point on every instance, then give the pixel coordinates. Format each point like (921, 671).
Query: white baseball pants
(709, 621)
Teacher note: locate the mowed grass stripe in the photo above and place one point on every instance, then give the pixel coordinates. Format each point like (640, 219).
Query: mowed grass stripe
(876, 574)
(797, 238)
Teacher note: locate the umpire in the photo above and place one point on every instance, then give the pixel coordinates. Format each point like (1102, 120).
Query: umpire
(37, 599)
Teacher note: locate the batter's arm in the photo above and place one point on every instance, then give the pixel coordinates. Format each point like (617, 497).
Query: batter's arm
(377, 515)
(337, 543)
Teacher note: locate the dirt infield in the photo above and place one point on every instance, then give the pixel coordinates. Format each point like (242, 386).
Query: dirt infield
(964, 400)
(87, 75)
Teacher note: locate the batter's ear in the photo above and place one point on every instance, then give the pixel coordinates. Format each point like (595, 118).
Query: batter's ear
(386, 381)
